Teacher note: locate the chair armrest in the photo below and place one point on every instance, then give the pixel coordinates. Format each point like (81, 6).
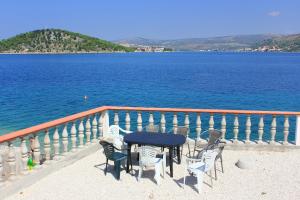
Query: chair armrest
(125, 131)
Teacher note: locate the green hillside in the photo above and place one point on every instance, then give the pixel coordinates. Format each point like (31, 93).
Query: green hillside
(57, 41)
(288, 43)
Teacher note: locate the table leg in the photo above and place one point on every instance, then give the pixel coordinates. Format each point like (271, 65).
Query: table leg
(171, 160)
(178, 154)
(128, 157)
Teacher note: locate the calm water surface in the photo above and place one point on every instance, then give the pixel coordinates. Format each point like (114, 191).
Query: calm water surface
(38, 88)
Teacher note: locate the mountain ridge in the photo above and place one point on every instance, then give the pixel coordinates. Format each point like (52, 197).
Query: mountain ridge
(220, 43)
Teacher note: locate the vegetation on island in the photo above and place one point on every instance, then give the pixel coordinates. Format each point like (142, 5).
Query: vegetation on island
(288, 43)
(58, 41)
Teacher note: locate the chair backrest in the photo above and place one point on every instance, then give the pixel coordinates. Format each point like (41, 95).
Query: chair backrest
(152, 128)
(208, 158)
(182, 130)
(147, 155)
(214, 136)
(114, 130)
(108, 149)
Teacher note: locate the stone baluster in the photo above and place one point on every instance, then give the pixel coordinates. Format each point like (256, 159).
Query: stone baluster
(100, 127)
(175, 123)
(47, 147)
(187, 121)
(24, 152)
(1, 171)
(198, 127)
(223, 127)
(211, 122)
(139, 122)
(286, 126)
(73, 136)
(248, 129)
(81, 133)
(88, 131)
(235, 129)
(151, 119)
(56, 144)
(94, 129)
(116, 118)
(127, 121)
(11, 161)
(36, 150)
(273, 130)
(260, 129)
(65, 139)
(163, 122)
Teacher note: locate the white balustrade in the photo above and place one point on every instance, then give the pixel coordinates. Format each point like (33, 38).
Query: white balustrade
(260, 129)
(151, 119)
(297, 134)
(56, 143)
(127, 121)
(187, 121)
(248, 129)
(81, 133)
(65, 139)
(211, 122)
(223, 127)
(47, 147)
(198, 127)
(175, 123)
(11, 161)
(73, 136)
(88, 131)
(163, 122)
(235, 129)
(273, 130)
(94, 129)
(286, 126)
(100, 127)
(116, 118)
(1, 171)
(139, 122)
(36, 150)
(24, 154)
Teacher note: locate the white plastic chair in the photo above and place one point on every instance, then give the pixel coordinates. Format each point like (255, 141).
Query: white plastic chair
(114, 133)
(200, 166)
(148, 158)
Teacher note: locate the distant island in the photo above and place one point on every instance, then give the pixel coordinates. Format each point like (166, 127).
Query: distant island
(58, 41)
(63, 41)
(262, 42)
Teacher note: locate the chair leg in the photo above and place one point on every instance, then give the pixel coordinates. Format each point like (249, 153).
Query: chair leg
(222, 163)
(140, 172)
(215, 170)
(199, 181)
(106, 167)
(184, 181)
(211, 179)
(189, 149)
(118, 168)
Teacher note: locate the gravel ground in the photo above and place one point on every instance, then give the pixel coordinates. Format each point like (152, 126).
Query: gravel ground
(275, 175)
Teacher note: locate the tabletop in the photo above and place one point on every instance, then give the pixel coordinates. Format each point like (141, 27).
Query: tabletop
(155, 139)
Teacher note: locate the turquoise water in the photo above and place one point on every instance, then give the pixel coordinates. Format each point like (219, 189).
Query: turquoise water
(38, 88)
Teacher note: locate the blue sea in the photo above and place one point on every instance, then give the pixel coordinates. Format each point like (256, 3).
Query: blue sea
(39, 88)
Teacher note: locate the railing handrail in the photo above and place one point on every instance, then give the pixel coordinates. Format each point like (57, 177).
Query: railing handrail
(213, 111)
(47, 125)
(70, 118)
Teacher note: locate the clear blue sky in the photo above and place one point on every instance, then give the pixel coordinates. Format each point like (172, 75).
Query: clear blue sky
(159, 19)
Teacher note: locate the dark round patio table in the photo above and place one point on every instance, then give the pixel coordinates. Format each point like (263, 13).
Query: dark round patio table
(167, 140)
